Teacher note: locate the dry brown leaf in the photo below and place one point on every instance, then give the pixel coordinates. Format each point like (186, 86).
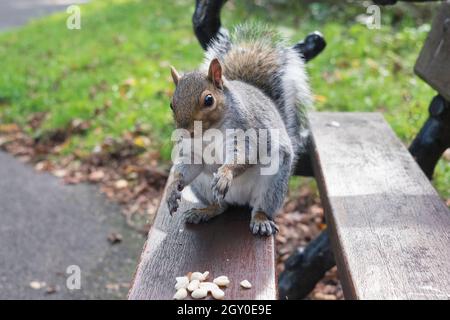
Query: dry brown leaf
(9, 128)
(96, 176)
(115, 237)
(121, 184)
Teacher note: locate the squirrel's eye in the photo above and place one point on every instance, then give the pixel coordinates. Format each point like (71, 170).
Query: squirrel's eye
(209, 100)
(171, 106)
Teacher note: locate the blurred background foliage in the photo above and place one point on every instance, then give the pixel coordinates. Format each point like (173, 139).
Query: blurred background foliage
(114, 71)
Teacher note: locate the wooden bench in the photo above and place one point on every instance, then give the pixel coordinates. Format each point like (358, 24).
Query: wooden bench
(390, 230)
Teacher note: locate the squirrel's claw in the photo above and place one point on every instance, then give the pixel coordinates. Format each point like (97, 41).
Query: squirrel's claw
(172, 200)
(261, 225)
(221, 184)
(173, 195)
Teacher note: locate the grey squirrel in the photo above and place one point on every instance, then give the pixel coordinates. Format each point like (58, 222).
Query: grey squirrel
(249, 79)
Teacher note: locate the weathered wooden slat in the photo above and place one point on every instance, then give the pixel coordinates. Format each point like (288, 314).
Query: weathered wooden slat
(389, 228)
(222, 246)
(433, 64)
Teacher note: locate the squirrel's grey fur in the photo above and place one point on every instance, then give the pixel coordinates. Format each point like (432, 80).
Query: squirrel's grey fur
(264, 87)
(258, 55)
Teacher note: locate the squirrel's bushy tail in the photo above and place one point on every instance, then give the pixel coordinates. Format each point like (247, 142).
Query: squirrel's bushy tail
(258, 55)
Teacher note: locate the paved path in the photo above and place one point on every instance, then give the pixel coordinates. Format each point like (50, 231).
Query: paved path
(46, 226)
(14, 13)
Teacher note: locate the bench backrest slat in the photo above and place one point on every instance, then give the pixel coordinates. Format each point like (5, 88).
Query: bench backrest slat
(433, 64)
(390, 229)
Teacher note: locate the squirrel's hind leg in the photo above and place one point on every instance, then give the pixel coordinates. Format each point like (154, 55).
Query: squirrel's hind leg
(270, 197)
(261, 224)
(198, 215)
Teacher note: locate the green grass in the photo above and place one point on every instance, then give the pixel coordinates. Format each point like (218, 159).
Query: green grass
(121, 55)
(70, 73)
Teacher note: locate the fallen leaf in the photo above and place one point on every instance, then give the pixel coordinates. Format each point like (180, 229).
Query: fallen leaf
(60, 173)
(113, 286)
(121, 184)
(141, 141)
(130, 82)
(96, 176)
(320, 98)
(9, 128)
(115, 238)
(5, 140)
(51, 289)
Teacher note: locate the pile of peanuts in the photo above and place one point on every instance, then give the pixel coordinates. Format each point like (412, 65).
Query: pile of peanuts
(199, 288)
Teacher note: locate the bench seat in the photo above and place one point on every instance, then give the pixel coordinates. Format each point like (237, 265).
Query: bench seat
(222, 246)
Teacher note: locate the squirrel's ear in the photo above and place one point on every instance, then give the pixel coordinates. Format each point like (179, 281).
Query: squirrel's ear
(215, 73)
(175, 75)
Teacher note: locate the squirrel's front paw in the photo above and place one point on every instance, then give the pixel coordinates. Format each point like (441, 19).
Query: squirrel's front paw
(173, 196)
(221, 183)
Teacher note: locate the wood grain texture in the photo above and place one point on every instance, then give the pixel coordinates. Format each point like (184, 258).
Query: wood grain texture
(222, 246)
(389, 228)
(433, 64)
